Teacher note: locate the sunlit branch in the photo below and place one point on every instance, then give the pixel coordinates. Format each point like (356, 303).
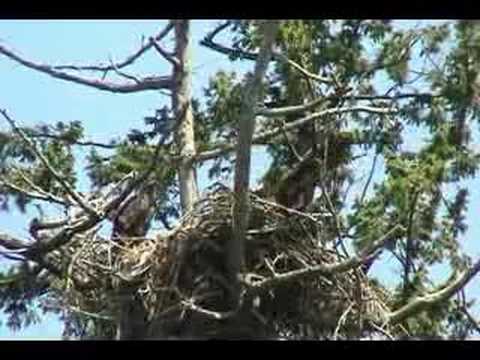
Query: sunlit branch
(264, 136)
(325, 269)
(147, 83)
(44, 196)
(118, 65)
(446, 291)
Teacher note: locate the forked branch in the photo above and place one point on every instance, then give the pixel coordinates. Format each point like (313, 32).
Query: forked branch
(424, 302)
(121, 64)
(147, 83)
(66, 186)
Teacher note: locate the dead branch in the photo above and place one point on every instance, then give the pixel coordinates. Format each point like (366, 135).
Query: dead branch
(147, 83)
(209, 42)
(279, 56)
(169, 57)
(128, 61)
(287, 110)
(325, 269)
(264, 136)
(43, 196)
(37, 135)
(10, 242)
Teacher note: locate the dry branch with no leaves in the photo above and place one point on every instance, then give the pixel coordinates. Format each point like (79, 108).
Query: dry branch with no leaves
(147, 83)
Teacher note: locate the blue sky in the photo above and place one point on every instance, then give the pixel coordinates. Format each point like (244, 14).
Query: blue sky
(32, 98)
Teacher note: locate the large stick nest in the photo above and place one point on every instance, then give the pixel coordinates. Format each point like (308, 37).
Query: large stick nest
(179, 278)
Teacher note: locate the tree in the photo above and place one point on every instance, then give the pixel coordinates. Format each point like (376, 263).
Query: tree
(291, 258)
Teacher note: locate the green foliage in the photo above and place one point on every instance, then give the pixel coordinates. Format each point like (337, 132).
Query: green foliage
(362, 58)
(19, 162)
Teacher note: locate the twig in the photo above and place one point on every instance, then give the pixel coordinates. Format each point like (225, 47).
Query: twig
(123, 74)
(471, 319)
(324, 269)
(370, 177)
(382, 331)
(35, 195)
(39, 190)
(128, 61)
(209, 42)
(279, 56)
(83, 312)
(287, 110)
(38, 135)
(289, 143)
(147, 83)
(212, 314)
(341, 321)
(12, 243)
(287, 209)
(169, 57)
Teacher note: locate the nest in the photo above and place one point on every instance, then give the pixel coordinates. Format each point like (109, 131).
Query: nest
(179, 278)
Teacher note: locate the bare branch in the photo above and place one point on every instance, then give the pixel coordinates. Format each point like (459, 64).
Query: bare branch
(369, 180)
(12, 243)
(39, 190)
(169, 57)
(288, 210)
(279, 56)
(44, 196)
(67, 187)
(89, 314)
(474, 322)
(246, 124)
(287, 110)
(209, 313)
(325, 269)
(123, 74)
(209, 42)
(424, 302)
(35, 134)
(265, 136)
(128, 61)
(147, 83)
(38, 135)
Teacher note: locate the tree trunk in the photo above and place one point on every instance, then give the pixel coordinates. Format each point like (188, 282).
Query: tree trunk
(182, 107)
(246, 127)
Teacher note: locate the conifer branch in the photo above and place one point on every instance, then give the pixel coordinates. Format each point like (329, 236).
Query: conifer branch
(60, 179)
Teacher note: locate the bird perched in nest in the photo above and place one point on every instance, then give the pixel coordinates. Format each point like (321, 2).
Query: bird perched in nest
(293, 187)
(134, 216)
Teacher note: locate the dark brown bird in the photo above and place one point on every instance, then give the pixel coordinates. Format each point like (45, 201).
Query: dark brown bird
(297, 188)
(134, 217)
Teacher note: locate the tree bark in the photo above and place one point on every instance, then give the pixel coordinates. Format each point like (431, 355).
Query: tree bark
(182, 107)
(246, 126)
